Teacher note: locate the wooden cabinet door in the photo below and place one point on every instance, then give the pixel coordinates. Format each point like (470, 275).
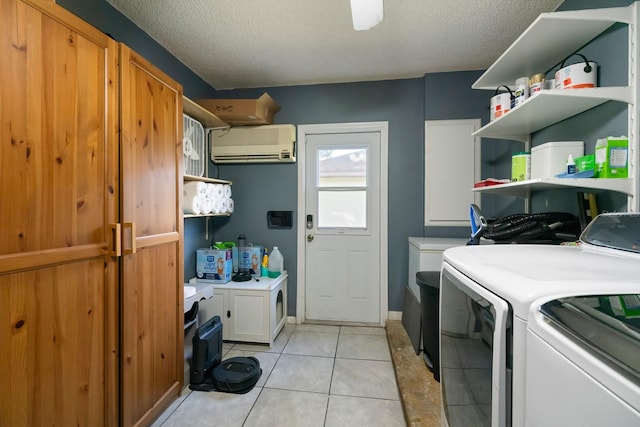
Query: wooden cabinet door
(152, 274)
(58, 195)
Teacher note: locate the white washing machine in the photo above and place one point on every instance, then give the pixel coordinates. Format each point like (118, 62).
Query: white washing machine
(583, 363)
(507, 361)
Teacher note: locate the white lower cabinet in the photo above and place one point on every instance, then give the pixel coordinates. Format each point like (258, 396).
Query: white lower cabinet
(253, 311)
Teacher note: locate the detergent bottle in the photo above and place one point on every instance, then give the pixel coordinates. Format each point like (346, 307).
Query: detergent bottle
(264, 268)
(276, 263)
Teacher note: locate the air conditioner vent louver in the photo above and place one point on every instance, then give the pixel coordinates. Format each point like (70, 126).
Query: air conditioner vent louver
(193, 146)
(254, 144)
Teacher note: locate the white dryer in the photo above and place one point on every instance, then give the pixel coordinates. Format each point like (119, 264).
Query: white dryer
(509, 356)
(583, 363)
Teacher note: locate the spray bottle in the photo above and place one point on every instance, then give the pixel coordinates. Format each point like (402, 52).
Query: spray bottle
(264, 268)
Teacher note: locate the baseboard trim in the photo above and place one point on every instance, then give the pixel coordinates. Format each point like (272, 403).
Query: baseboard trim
(291, 319)
(395, 315)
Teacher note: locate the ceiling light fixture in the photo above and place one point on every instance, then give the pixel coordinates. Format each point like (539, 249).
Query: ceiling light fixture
(366, 14)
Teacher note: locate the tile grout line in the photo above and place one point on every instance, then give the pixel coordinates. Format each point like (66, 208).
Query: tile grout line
(279, 353)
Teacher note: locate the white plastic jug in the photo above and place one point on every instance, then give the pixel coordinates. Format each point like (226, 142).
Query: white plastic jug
(276, 263)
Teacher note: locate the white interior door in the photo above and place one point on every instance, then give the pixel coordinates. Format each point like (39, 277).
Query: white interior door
(342, 227)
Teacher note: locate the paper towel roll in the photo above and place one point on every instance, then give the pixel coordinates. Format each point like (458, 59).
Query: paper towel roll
(217, 206)
(224, 205)
(207, 206)
(192, 205)
(194, 188)
(210, 191)
(218, 190)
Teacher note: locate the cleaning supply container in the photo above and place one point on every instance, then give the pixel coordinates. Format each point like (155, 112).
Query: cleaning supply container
(611, 157)
(550, 159)
(276, 263)
(521, 166)
(501, 103)
(577, 76)
(522, 90)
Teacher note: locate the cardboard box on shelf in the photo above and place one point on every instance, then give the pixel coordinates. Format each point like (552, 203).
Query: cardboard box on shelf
(214, 265)
(243, 111)
(612, 157)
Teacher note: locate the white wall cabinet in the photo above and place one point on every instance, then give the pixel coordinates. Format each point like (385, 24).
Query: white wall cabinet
(450, 170)
(253, 311)
(548, 40)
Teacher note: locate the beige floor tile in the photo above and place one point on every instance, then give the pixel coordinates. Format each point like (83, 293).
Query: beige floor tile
(346, 411)
(310, 343)
(301, 373)
(284, 408)
(310, 327)
(364, 378)
(171, 409)
(368, 347)
(213, 408)
(363, 330)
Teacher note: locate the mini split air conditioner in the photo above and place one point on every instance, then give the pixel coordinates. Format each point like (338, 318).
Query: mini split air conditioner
(254, 144)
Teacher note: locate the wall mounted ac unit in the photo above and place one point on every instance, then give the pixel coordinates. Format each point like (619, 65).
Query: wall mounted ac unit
(254, 144)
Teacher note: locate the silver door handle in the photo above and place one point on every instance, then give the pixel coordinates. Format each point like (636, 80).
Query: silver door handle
(310, 238)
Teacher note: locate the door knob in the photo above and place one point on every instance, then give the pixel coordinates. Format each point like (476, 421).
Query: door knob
(310, 238)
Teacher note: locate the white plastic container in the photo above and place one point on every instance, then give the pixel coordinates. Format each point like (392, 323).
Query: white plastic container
(577, 76)
(500, 105)
(522, 90)
(550, 159)
(537, 84)
(276, 263)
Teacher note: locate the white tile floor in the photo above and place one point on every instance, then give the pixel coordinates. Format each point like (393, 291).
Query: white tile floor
(313, 375)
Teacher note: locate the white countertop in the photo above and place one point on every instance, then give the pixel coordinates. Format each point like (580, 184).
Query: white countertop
(437, 243)
(202, 291)
(258, 283)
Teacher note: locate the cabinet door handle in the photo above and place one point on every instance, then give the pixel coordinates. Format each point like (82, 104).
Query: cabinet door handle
(131, 226)
(228, 314)
(116, 241)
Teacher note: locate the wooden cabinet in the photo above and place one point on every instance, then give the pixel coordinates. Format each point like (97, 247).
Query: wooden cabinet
(59, 195)
(152, 263)
(91, 262)
(253, 311)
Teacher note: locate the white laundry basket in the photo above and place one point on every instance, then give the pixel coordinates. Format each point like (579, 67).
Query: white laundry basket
(193, 146)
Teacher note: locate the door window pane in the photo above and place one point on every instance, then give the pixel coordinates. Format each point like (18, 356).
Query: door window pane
(342, 209)
(342, 167)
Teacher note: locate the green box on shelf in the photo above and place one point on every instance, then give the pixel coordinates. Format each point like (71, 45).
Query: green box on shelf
(586, 163)
(612, 157)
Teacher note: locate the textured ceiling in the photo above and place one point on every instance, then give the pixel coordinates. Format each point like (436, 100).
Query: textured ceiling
(264, 43)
